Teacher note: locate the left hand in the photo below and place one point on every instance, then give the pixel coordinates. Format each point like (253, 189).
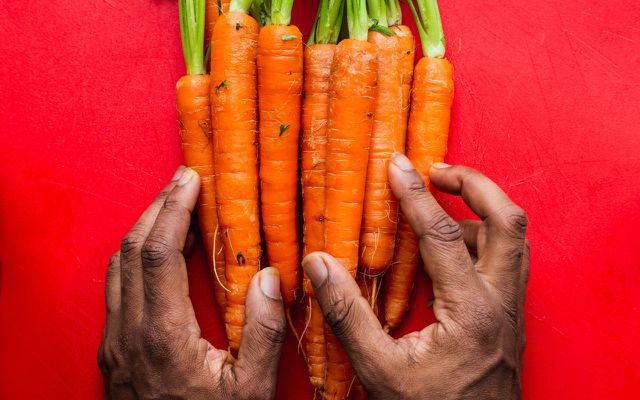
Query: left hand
(152, 346)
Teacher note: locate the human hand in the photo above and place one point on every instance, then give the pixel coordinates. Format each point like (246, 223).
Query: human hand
(474, 350)
(152, 347)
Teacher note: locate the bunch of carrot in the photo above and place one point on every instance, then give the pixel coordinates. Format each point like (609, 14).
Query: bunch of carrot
(246, 126)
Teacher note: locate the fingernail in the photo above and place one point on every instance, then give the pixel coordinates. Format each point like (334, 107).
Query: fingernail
(178, 174)
(401, 161)
(270, 283)
(441, 165)
(316, 269)
(186, 176)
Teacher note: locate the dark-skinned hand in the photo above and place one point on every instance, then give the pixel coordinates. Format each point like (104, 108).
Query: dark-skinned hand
(152, 348)
(479, 271)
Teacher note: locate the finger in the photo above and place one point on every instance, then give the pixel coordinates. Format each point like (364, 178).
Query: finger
(506, 222)
(190, 243)
(163, 265)
(520, 321)
(131, 249)
(264, 332)
(470, 229)
(522, 288)
(442, 247)
(112, 290)
(348, 313)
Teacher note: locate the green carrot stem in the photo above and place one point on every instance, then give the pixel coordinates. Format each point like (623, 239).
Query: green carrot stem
(328, 22)
(281, 12)
(377, 12)
(192, 34)
(394, 13)
(429, 23)
(260, 10)
(357, 19)
(241, 6)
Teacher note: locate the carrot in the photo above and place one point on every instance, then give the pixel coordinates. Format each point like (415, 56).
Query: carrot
(380, 219)
(234, 115)
(215, 8)
(194, 117)
(427, 134)
(318, 58)
(353, 90)
(407, 48)
(280, 58)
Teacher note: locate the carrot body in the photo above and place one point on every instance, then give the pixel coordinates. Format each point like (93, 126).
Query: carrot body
(351, 113)
(234, 112)
(339, 374)
(280, 60)
(315, 344)
(194, 116)
(353, 89)
(380, 217)
(315, 116)
(427, 136)
(407, 47)
(214, 9)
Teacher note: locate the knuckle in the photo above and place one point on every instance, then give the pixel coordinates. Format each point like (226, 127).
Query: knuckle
(340, 315)
(443, 228)
(132, 243)
(272, 331)
(155, 252)
(514, 220)
(416, 188)
(174, 206)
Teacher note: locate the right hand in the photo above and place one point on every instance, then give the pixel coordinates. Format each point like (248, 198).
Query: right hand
(474, 350)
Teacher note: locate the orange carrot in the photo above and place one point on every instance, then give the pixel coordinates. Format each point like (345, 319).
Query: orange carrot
(317, 66)
(427, 134)
(318, 59)
(280, 60)
(380, 219)
(215, 8)
(353, 90)
(234, 116)
(408, 50)
(194, 116)
(194, 111)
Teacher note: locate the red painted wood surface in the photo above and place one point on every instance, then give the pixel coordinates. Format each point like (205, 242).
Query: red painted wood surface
(547, 99)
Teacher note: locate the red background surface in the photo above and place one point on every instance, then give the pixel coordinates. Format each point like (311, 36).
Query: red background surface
(547, 104)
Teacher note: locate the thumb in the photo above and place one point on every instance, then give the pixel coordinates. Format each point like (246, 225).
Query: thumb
(348, 313)
(264, 331)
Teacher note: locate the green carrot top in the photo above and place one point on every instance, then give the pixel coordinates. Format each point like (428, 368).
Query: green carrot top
(326, 29)
(357, 19)
(377, 10)
(427, 17)
(272, 12)
(192, 35)
(394, 12)
(281, 12)
(241, 6)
